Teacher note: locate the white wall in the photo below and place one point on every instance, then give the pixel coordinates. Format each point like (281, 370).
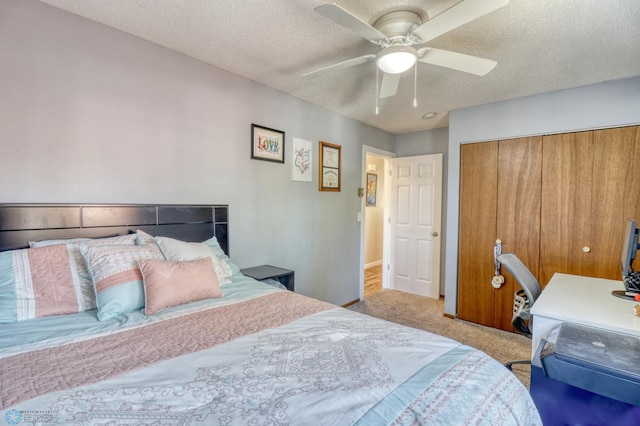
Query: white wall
(91, 114)
(608, 104)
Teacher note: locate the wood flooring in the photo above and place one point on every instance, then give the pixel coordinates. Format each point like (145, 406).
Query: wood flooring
(372, 280)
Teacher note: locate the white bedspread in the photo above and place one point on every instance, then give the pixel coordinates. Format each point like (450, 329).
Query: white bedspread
(333, 367)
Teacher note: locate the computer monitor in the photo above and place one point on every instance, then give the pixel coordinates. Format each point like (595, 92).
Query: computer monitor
(630, 277)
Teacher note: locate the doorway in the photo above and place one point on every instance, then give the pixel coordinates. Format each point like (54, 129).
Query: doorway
(400, 244)
(374, 214)
(374, 251)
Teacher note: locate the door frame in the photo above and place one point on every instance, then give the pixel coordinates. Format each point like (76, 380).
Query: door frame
(386, 155)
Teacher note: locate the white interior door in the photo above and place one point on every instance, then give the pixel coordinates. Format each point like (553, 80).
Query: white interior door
(415, 224)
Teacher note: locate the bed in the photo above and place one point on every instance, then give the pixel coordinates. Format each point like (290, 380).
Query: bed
(183, 338)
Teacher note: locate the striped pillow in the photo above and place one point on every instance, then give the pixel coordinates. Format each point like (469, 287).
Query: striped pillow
(37, 282)
(49, 279)
(80, 272)
(116, 276)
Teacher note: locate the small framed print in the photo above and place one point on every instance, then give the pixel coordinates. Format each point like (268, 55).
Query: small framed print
(302, 166)
(372, 189)
(267, 144)
(330, 163)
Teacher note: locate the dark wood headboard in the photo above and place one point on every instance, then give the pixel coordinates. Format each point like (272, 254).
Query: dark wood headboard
(21, 223)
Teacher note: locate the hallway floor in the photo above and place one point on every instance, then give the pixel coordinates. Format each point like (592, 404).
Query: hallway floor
(372, 280)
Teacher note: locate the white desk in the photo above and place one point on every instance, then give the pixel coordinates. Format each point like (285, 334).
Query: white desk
(589, 302)
(582, 300)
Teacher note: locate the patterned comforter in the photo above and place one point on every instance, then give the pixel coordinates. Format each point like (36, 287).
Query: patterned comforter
(256, 357)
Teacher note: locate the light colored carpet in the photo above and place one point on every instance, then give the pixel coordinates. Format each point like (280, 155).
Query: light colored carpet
(428, 314)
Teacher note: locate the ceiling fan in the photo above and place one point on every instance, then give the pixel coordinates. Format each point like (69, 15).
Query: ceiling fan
(398, 31)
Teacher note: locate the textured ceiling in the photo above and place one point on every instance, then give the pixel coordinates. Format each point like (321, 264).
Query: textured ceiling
(540, 46)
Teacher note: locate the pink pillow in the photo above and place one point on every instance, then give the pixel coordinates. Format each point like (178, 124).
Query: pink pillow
(170, 283)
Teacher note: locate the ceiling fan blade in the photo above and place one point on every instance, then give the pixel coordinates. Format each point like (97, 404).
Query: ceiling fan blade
(456, 61)
(349, 21)
(456, 16)
(341, 65)
(389, 86)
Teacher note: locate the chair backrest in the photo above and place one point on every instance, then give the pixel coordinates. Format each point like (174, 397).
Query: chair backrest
(522, 274)
(530, 286)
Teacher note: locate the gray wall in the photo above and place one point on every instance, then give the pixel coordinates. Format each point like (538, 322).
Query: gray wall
(91, 114)
(609, 104)
(427, 142)
(430, 142)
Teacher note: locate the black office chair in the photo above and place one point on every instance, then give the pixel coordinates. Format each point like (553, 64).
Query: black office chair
(523, 299)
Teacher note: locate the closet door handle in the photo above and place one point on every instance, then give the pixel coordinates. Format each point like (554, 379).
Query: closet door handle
(497, 280)
(586, 249)
(434, 233)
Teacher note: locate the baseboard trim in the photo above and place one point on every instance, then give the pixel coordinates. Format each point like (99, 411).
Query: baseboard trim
(372, 264)
(353, 302)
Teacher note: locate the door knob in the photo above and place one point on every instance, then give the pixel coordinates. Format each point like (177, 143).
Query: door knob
(434, 233)
(586, 249)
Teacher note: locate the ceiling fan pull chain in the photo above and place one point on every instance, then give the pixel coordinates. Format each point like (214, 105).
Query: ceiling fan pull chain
(377, 80)
(415, 85)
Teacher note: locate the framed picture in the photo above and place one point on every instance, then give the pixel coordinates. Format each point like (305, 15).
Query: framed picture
(267, 144)
(372, 189)
(302, 166)
(330, 163)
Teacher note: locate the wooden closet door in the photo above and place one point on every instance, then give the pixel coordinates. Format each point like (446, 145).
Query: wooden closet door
(567, 165)
(558, 202)
(631, 136)
(499, 199)
(613, 175)
(590, 188)
(518, 215)
(477, 231)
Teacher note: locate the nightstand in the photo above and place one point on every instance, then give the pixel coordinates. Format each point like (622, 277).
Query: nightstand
(285, 276)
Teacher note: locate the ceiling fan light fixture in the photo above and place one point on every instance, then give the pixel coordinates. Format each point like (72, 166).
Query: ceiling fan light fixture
(396, 59)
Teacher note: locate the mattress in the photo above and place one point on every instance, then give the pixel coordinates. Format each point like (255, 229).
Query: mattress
(259, 355)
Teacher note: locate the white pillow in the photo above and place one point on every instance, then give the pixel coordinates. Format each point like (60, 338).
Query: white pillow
(47, 243)
(143, 238)
(177, 250)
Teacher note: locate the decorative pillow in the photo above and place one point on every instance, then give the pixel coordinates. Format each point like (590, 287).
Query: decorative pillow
(37, 282)
(117, 278)
(80, 272)
(177, 250)
(168, 283)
